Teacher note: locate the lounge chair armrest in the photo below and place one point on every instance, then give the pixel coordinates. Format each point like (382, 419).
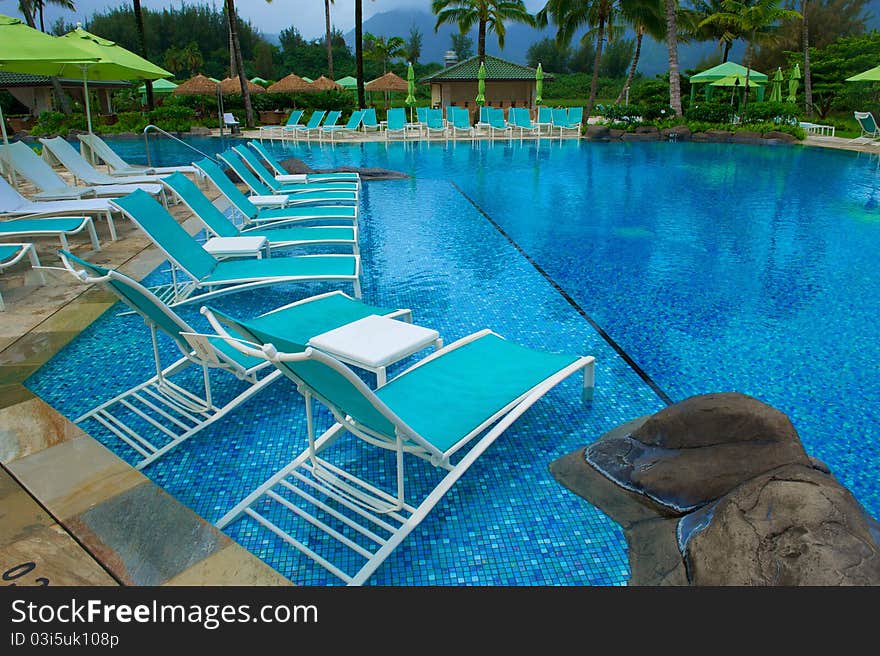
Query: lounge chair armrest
(274, 200)
(292, 177)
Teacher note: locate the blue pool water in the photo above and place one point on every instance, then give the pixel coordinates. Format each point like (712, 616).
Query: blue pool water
(713, 267)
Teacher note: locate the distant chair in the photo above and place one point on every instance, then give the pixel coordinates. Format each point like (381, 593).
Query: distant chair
(520, 120)
(312, 126)
(497, 122)
(461, 123)
(870, 131)
(545, 119)
(229, 121)
(483, 119)
(396, 123)
(562, 123)
(276, 131)
(576, 116)
(434, 123)
(369, 122)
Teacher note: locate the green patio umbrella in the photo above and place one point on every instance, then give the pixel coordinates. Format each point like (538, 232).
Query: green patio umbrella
(871, 75)
(539, 85)
(410, 89)
(481, 84)
(26, 50)
(793, 84)
(114, 63)
(776, 86)
(348, 82)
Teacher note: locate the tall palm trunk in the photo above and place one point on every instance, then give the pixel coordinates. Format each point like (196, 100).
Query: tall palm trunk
(236, 47)
(359, 50)
(640, 34)
(727, 45)
(594, 83)
(481, 40)
(42, 21)
(672, 48)
(808, 81)
(329, 38)
(142, 44)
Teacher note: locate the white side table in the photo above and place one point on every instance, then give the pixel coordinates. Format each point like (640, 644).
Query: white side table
(272, 200)
(237, 247)
(374, 342)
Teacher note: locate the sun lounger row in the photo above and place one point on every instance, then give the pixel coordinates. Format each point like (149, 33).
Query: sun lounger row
(444, 411)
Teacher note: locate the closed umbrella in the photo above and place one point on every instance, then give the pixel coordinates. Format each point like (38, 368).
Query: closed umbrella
(776, 86)
(481, 85)
(410, 89)
(793, 84)
(539, 85)
(26, 50)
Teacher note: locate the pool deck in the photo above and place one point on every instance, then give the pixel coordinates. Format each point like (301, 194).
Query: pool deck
(95, 519)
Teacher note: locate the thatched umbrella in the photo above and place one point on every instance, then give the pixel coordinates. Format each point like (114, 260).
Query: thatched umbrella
(196, 86)
(232, 85)
(324, 83)
(292, 83)
(388, 82)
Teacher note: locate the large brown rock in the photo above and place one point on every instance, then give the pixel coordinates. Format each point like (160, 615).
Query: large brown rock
(295, 166)
(693, 452)
(598, 133)
(784, 137)
(792, 526)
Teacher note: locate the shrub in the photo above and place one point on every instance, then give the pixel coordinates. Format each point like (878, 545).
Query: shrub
(710, 112)
(773, 112)
(173, 118)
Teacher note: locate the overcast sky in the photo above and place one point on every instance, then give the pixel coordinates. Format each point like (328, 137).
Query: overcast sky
(306, 15)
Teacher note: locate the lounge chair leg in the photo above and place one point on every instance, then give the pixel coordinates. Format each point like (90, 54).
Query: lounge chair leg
(35, 264)
(589, 381)
(357, 288)
(112, 225)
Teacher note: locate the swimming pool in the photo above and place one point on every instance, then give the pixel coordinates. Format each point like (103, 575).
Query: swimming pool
(712, 267)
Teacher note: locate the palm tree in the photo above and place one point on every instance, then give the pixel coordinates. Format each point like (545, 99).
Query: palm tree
(672, 50)
(487, 15)
(646, 17)
(31, 8)
(570, 15)
(359, 50)
(808, 81)
(383, 50)
(232, 17)
(753, 18)
(329, 38)
(142, 45)
(721, 31)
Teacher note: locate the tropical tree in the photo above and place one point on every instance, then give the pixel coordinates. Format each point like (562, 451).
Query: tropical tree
(720, 31)
(359, 50)
(31, 9)
(645, 17)
(808, 78)
(232, 18)
(462, 45)
(571, 15)
(329, 37)
(142, 47)
(671, 7)
(754, 20)
(487, 15)
(382, 50)
(414, 44)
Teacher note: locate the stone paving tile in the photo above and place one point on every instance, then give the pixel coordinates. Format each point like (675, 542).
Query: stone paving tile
(49, 556)
(20, 515)
(124, 533)
(232, 565)
(33, 426)
(74, 476)
(14, 393)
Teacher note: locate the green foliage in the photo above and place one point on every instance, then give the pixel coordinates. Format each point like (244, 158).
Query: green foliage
(773, 112)
(309, 58)
(129, 122)
(552, 56)
(50, 123)
(616, 58)
(577, 85)
(649, 91)
(836, 62)
(710, 112)
(173, 118)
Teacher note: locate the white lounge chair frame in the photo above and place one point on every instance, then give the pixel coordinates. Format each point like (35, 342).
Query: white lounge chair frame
(371, 510)
(86, 223)
(93, 148)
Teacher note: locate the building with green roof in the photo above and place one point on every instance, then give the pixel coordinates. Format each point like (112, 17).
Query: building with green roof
(507, 84)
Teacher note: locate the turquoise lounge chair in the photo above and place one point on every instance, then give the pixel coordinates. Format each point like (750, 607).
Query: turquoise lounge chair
(870, 130)
(446, 410)
(309, 128)
(497, 122)
(434, 123)
(330, 120)
(283, 176)
(523, 122)
(369, 122)
(12, 254)
(576, 116)
(213, 277)
(51, 227)
(280, 196)
(276, 131)
(422, 118)
(289, 184)
(545, 119)
(561, 122)
(253, 215)
(350, 128)
(396, 123)
(277, 237)
(461, 123)
(483, 119)
(157, 415)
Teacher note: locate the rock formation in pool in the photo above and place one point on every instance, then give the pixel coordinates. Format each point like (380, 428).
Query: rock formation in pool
(718, 490)
(294, 166)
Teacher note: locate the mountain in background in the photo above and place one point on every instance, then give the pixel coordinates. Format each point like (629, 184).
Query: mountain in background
(518, 39)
